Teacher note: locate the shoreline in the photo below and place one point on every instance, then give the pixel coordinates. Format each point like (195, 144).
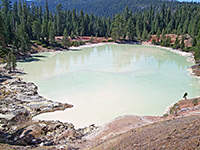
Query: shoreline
(188, 55)
(92, 133)
(20, 103)
(89, 45)
(190, 58)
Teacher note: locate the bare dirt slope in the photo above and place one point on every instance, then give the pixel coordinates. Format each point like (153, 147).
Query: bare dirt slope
(180, 133)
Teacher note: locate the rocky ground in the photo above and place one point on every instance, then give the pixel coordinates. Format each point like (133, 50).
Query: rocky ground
(196, 70)
(180, 133)
(19, 103)
(152, 131)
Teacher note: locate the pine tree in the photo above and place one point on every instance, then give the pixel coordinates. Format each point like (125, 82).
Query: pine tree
(36, 27)
(2, 31)
(158, 35)
(118, 27)
(24, 41)
(65, 40)
(130, 29)
(8, 62)
(182, 42)
(6, 6)
(153, 41)
(176, 43)
(51, 32)
(197, 49)
(13, 62)
(46, 13)
(45, 33)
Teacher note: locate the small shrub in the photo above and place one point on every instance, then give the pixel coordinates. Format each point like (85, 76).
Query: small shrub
(82, 43)
(186, 49)
(44, 45)
(174, 110)
(58, 44)
(72, 43)
(49, 47)
(153, 41)
(33, 41)
(76, 43)
(165, 115)
(110, 40)
(195, 102)
(104, 41)
(38, 43)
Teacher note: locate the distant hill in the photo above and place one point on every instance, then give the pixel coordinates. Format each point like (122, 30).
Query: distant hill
(108, 7)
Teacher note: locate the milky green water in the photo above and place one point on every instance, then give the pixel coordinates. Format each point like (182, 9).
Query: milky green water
(112, 80)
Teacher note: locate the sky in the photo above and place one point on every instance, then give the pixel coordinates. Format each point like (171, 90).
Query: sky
(178, 0)
(189, 0)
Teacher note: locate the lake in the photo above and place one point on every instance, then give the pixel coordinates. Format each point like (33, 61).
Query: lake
(111, 80)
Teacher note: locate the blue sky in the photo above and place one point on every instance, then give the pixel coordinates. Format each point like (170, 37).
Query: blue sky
(189, 0)
(178, 0)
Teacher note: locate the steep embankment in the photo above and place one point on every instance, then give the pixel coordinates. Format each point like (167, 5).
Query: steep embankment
(179, 133)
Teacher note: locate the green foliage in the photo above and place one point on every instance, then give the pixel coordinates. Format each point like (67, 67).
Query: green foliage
(174, 109)
(197, 48)
(197, 54)
(182, 45)
(130, 28)
(13, 62)
(75, 43)
(91, 39)
(176, 44)
(21, 23)
(10, 61)
(38, 43)
(65, 40)
(194, 41)
(22, 40)
(82, 42)
(51, 32)
(36, 29)
(153, 41)
(165, 115)
(45, 33)
(44, 45)
(110, 40)
(118, 26)
(58, 44)
(195, 102)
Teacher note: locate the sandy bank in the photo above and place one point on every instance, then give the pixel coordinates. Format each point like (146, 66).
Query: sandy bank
(189, 55)
(88, 45)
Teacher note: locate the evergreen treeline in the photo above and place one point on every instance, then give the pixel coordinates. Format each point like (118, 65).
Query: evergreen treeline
(140, 26)
(184, 20)
(20, 23)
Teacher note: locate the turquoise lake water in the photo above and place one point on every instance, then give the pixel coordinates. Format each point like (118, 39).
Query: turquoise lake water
(111, 80)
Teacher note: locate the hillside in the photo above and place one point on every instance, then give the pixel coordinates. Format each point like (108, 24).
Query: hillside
(182, 133)
(108, 8)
